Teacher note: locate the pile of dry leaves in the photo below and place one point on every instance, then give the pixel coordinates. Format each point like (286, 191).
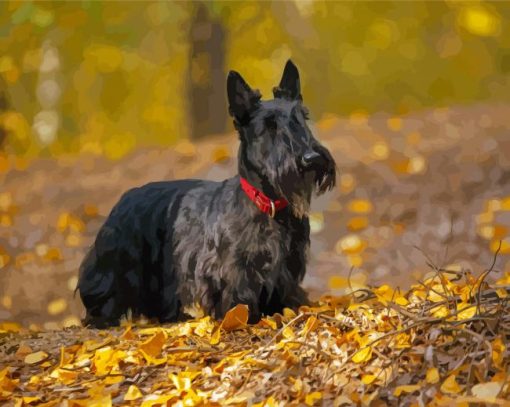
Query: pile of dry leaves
(445, 339)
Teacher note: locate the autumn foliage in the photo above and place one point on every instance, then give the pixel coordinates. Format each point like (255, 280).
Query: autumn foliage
(444, 341)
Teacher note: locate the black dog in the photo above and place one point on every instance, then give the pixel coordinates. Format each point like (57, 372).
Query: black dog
(169, 245)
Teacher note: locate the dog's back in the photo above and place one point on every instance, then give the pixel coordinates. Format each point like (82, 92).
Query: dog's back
(123, 269)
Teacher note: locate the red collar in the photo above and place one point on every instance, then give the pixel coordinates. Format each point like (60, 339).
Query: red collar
(265, 204)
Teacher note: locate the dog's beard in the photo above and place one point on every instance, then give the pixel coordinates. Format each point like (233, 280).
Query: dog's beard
(293, 185)
(297, 186)
(325, 175)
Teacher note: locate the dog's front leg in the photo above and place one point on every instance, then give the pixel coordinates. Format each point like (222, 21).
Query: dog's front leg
(170, 305)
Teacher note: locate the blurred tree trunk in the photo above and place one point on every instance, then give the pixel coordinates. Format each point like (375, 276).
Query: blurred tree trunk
(206, 81)
(4, 105)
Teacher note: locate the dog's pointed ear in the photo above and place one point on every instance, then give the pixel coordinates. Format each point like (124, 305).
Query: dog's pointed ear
(290, 85)
(242, 100)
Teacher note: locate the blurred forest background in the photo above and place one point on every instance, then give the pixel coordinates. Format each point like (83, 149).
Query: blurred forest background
(100, 96)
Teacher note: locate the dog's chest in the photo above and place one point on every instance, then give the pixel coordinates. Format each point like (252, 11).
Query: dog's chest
(263, 247)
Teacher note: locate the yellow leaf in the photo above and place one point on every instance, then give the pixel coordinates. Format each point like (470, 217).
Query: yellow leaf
(108, 380)
(97, 401)
(363, 355)
(149, 331)
(403, 340)
(498, 350)
(468, 311)
(505, 246)
(215, 336)
(450, 385)
(101, 360)
(235, 318)
(269, 402)
(10, 327)
(368, 378)
(153, 360)
(133, 393)
(30, 399)
(432, 376)
(269, 322)
(106, 360)
(65, 358)
(409, 388)
(7, 384)
(288, 313)
(288, 333)
(182, 381)
(384, 294)
(64, 376)
(154, 344)
(128, 334)
(440, 311)
(155, 400)
(505, 280)
(36, 357)
(501, 292)
(311, 324)
(204, 327)
(487, 392)
(313, 398)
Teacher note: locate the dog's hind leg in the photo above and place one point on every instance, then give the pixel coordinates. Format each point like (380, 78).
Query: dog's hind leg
(109, 281)
(97, 291)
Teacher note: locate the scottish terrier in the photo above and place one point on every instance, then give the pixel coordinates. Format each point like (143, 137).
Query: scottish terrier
(170, 245)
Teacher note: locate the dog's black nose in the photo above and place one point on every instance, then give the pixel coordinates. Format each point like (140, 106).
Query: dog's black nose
(310, 158)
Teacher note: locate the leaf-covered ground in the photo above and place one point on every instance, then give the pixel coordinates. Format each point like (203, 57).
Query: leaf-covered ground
(444, 342)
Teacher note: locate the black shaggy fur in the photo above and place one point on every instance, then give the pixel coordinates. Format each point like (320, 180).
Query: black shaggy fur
(169, 245)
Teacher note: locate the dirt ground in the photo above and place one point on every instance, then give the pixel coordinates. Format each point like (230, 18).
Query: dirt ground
(432, 186)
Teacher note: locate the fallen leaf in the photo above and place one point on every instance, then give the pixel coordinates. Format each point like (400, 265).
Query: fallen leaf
(409, 388)
(487, 392)
(432, 376)
(235, 318)
(36, 357)
(450, 385)
(23, 350)
(363, 355)
(133, 393)
(368, 378)
(313, 398)
(154, 344)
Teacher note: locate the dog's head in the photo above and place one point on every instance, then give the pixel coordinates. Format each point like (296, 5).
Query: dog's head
(278, 150)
